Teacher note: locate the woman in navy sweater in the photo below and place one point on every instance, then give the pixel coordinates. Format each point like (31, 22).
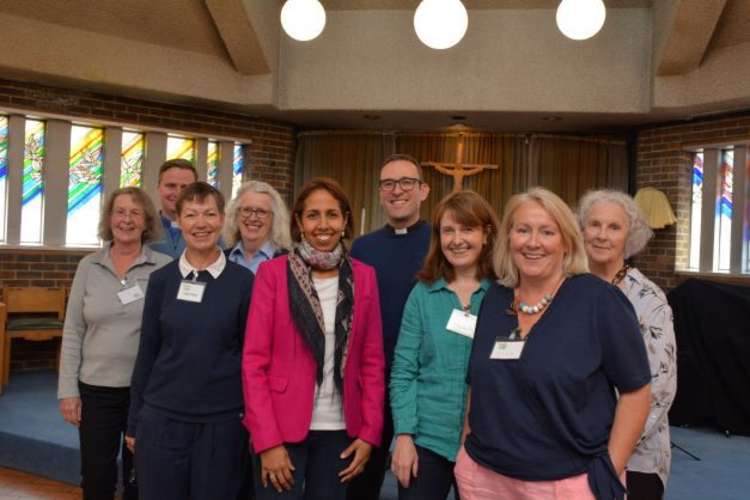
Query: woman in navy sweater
(185, 422)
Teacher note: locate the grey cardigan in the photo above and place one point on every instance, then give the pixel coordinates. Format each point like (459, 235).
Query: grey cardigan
(101, 335)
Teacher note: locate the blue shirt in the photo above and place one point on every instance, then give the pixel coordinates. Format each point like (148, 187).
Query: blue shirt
(397, 256)
(171, 243)
(548, 415)
(428, 381)
(267, 251)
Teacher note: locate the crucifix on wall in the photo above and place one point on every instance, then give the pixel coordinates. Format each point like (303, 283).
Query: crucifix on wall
(458, 170)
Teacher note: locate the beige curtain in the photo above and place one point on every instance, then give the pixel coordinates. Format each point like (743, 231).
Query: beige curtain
(567, 165)
(508, 152)
(570, 166)
(352, 159)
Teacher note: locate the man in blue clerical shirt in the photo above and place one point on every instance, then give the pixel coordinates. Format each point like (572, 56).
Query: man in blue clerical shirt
(396, 251)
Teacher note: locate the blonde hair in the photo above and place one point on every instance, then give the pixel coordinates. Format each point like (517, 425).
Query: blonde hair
(279, 234)
(575, 260)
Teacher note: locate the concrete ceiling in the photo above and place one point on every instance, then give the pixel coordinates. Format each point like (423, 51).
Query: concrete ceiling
(229, 30)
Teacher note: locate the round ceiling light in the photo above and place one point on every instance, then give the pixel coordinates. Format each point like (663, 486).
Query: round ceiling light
(441, 24)
(303, 20)
(580, 19)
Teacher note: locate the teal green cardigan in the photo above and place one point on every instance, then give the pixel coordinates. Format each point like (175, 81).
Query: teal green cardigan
(428, 380)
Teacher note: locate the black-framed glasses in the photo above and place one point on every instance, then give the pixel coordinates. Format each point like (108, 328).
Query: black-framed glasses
(405, 183)
(249, 212)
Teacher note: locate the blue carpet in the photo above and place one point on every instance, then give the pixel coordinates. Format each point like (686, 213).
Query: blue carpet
(34, 438)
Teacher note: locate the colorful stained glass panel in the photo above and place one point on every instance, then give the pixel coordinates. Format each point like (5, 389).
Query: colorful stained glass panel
(213, 163)
(131, 163)
(84, 185)
(695, 212)
(238, 167)
(3, 172)
(723, 224)
(180, 147)
(32, 200)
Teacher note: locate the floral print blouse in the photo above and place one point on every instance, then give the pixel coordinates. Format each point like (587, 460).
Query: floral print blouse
(653, 453)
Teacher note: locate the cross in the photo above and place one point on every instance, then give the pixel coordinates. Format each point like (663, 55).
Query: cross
(459, 169)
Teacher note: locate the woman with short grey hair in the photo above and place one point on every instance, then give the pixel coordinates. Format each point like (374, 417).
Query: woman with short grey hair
(257, 227)
(614, 230)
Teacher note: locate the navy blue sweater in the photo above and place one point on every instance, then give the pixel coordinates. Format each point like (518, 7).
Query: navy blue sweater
(396, 258)
(188, 363)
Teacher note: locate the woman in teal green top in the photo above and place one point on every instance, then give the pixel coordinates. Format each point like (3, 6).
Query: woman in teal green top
(428, 387)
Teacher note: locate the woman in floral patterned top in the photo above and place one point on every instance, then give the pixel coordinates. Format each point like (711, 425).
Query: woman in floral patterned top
(614, 230)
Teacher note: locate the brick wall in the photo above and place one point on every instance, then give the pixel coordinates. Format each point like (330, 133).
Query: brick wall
(663, 163)
(270, 158)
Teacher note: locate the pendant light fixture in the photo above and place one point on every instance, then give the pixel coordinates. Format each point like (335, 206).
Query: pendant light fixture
(441, 24)
(303, 20)
(580, 19)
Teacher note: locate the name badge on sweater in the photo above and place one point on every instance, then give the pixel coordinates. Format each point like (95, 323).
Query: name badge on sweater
(191, 291)
(462, 322)
(130, 294)
(506, 348)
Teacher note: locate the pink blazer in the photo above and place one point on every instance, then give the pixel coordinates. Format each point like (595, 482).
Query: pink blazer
(278, 370)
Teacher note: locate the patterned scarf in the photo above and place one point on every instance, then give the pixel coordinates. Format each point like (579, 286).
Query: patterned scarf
(306, 309)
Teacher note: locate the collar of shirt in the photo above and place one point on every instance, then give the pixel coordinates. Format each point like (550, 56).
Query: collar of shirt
(441, 284)
(404, 230)
(103, 257)
(214, 269)
(268, 250)
(167, 222)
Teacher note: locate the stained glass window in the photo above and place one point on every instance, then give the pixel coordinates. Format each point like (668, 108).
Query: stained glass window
(723, 224)
(180, 147)
(32, 200)
(213, 163)
(695, 212)
(85, 185)
(3, 171)
(238, 167)
(131, 164)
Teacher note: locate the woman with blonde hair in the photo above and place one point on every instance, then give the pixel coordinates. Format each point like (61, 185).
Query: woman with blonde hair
(614, 230)
(257, 225)
(552, 343)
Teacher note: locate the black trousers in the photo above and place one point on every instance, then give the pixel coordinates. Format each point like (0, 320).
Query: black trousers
(317, 464)
(177, 460)
(644, 486)
(104, 418)
(367, 485)
(434, 478)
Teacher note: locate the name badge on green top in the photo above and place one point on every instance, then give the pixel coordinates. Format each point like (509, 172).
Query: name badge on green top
(462, 322)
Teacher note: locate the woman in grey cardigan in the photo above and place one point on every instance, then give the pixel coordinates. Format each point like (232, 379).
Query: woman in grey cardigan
(100, 338)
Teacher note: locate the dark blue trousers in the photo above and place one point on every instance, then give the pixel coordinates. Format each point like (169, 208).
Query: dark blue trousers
(177, 460)
(317, 466)
(434, 478)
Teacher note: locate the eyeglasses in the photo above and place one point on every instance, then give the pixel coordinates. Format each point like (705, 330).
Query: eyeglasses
(249, 212)
(405, 183)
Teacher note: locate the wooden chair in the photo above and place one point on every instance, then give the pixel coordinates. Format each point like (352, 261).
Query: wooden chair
(32, 314)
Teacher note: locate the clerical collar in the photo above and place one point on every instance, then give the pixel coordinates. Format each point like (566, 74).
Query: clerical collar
(401, 231)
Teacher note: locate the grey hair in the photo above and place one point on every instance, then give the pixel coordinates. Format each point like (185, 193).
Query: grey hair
(639, 233)
(279, 228)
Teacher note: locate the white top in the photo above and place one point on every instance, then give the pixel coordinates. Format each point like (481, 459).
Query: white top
(328, 412)
(214, 269)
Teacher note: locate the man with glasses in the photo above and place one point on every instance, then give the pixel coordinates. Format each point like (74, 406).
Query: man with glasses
(396, 251)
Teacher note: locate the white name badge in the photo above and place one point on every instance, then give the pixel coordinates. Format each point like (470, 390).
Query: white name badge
(191, 291)
(129, 295)
(507, 349)
(463, 323)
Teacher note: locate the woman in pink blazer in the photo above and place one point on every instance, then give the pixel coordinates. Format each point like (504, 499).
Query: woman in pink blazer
(313, 359)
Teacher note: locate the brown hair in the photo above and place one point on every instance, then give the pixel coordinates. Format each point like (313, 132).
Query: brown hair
(199, 191)
(334, 189)
(407, 158)
(471, 210)
(177, 163)
(152, 231)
